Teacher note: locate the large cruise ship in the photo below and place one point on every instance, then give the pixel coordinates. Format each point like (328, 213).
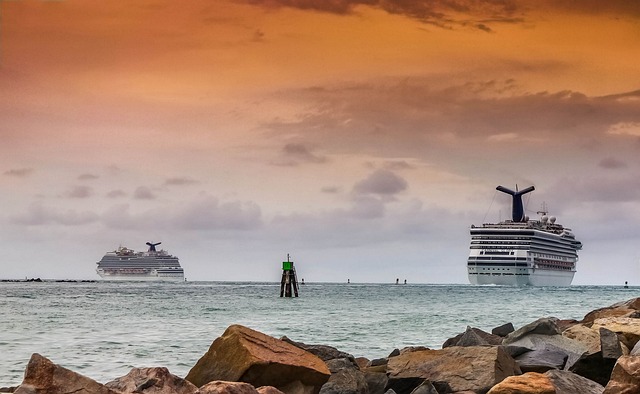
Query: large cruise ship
(152, 265)
(522, 251)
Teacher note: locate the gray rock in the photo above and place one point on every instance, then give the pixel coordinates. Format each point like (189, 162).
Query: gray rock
(610, 344)
(425, 388)
(324, 352)
(473, 337)
(593, 366)
(376, 382)
(572, 348)
(636, 350)
(503, 330)
(541, 360)
(395, 352)
(346, 378)
(567, 382)
(515, 351)
(542, 326)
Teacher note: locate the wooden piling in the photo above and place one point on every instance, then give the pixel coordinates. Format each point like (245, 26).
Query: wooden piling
(289, 282)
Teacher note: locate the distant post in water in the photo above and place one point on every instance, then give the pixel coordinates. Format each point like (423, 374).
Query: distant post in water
(289, 281)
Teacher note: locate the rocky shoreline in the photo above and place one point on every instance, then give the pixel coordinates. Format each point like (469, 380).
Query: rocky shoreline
(598, 354)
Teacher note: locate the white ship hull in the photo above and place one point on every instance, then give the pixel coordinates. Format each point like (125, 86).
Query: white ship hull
(142, 277)
(533, 277)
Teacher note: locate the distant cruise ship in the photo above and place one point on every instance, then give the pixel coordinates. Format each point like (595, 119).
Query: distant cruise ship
(152, 265)
(521, 251)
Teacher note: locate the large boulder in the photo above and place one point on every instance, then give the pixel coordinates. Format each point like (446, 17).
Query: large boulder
(324, 352)
(593, 366)
(451, 369)
(155, 380)
(589, 337)
(609, 344)
(542, 326)
(42, 376)
(566, 382)
(222, 387)
(245, 355)
(503, 330)
(619, 309)
(627, 327)
(625, 378)
(573, 349)
(473, 337)
(529, 383)
(541, 360)
(346, 378)
(376, 382)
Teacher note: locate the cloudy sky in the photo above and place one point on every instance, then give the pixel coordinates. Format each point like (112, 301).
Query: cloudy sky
(363, 137)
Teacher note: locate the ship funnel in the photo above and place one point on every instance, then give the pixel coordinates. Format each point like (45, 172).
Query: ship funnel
(517, 210)
(152, 247)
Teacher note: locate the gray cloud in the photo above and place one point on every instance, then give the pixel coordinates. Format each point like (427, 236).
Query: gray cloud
(381, 182)
(143, 193)
(39, 214)
(611, 163)
(87, 177)
(330, 189)
(116, 193)
(203, 213)
(294, 154)
(79, 192)
(19, 172)
(180, 181)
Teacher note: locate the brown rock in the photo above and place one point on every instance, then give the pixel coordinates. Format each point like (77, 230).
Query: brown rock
(585, 335)
(529, 383)
(269, 390)
(155, 380)
(616, 310)
(44, 377)
(625, 378)
(627, 327)
(451, 369)
(222, 387)
(245, 355)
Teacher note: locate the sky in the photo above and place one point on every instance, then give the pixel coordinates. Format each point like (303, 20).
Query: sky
(362, 137)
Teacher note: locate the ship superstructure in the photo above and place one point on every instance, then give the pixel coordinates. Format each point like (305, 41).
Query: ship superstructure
(152, 265)
(522, 251)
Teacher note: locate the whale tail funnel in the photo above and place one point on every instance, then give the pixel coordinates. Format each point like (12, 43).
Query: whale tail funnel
(152, 246)
(517, 209)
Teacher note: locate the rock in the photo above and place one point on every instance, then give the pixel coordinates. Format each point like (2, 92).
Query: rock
(542, 326)
(529, 383)
(503, 330)
(625, 378)
(362, 362)
(585, 335)
(222, 387)
(43, 376)
(156, 380)
(376, 382)
(636, 350)
(621, 309)
(451, 369)
(515, 351)
(324, 352)
(245, 355)
(573, 349)
(346, 378)
(7, 389)
(593, 366)
(268, 390)
(394, 352)
(473, 337)
(609, 344)
(627, 327)
(541, 360)
(425, 388)
(566, 382)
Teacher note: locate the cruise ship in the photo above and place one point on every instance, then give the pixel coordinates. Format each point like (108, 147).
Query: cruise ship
(152, 265)
(522, 251)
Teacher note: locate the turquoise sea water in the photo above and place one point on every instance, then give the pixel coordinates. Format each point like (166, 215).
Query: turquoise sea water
(103, 329)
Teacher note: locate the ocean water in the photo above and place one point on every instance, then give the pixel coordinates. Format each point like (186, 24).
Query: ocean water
(103, 329)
